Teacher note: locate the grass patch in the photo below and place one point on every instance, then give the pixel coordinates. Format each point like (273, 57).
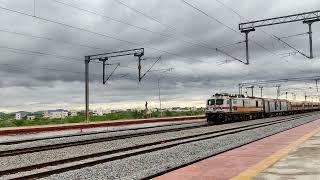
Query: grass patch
(7, 120)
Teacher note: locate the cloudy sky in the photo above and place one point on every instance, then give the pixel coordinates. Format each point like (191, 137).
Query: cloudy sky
(43, 44)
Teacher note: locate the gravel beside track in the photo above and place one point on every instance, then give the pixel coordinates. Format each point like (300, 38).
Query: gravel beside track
(146, 165)
(70, 152)
(50, 155)
(12, 145)
(60, 135)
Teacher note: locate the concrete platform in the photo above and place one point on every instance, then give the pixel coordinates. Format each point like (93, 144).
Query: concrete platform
(301, 163)
(69, 126)
(293, 154)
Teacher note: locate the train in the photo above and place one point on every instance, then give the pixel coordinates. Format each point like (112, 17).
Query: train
(222, 108)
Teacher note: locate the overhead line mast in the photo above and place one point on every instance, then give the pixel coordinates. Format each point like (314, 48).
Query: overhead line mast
(104, 57)
(307, 18)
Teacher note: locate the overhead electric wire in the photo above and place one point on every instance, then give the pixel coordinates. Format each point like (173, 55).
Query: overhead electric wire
(151, 67)
(135, 26)
(281, 80)
(171, 27)
(220, 22)
(27, 52)
(203, 44)
(96, 33)
(119, 76)
(45, 68)
(52, 39)
(270, 35)
(30, 52)
(294, 35)
(141, 28)
(292, 47)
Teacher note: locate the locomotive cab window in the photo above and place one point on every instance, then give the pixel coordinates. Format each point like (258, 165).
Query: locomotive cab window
(211, 102)
(219, 101)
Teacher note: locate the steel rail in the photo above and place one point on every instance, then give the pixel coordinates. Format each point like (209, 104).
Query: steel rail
(221, 152)
(92, 133)
(25, 150)
(19, 151)
(124, 151)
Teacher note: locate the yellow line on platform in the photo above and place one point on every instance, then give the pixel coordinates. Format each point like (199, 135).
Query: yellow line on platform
(267, 162)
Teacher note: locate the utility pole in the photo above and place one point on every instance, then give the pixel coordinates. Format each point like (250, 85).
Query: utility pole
(251, 87)
(305, 96)
(310, 40)
(294, 96)
(261, 88)
(240, 89)
(309, 22)
(247, 31)
(278, 91)
(86, 62)
(159, 97)
(139, 67)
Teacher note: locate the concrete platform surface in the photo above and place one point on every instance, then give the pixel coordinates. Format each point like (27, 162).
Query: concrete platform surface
(248, 161)
(301, 163)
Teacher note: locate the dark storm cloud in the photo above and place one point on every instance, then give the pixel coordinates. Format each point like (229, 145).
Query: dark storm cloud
(198, 71)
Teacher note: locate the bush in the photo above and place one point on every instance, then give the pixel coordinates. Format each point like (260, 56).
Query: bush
(9, 121)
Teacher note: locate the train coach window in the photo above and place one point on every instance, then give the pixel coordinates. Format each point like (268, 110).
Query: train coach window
(211, 102)
(243, 103)
(219, 101)
(256, 103)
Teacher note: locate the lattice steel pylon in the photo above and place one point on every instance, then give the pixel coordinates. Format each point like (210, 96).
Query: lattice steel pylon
(307, 18)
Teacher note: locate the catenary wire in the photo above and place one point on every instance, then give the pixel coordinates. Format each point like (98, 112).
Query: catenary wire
(223, 24)
(135, 26)
(96, 33)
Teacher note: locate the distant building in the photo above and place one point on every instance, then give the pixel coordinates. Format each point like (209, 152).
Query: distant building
(31, 117)
(45, 114)
(98, 112)
(116, 111)
(56, 114)
(73, 113)
(21, 115)
(176, 109)
(193, 108)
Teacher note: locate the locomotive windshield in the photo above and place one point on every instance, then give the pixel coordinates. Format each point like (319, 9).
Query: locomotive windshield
(215, 102)
(219, 101)
(211, 102)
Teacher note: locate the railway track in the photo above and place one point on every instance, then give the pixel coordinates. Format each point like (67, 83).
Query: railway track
(11, 142)
(214, 154)
(24, 150)
(63, 165)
